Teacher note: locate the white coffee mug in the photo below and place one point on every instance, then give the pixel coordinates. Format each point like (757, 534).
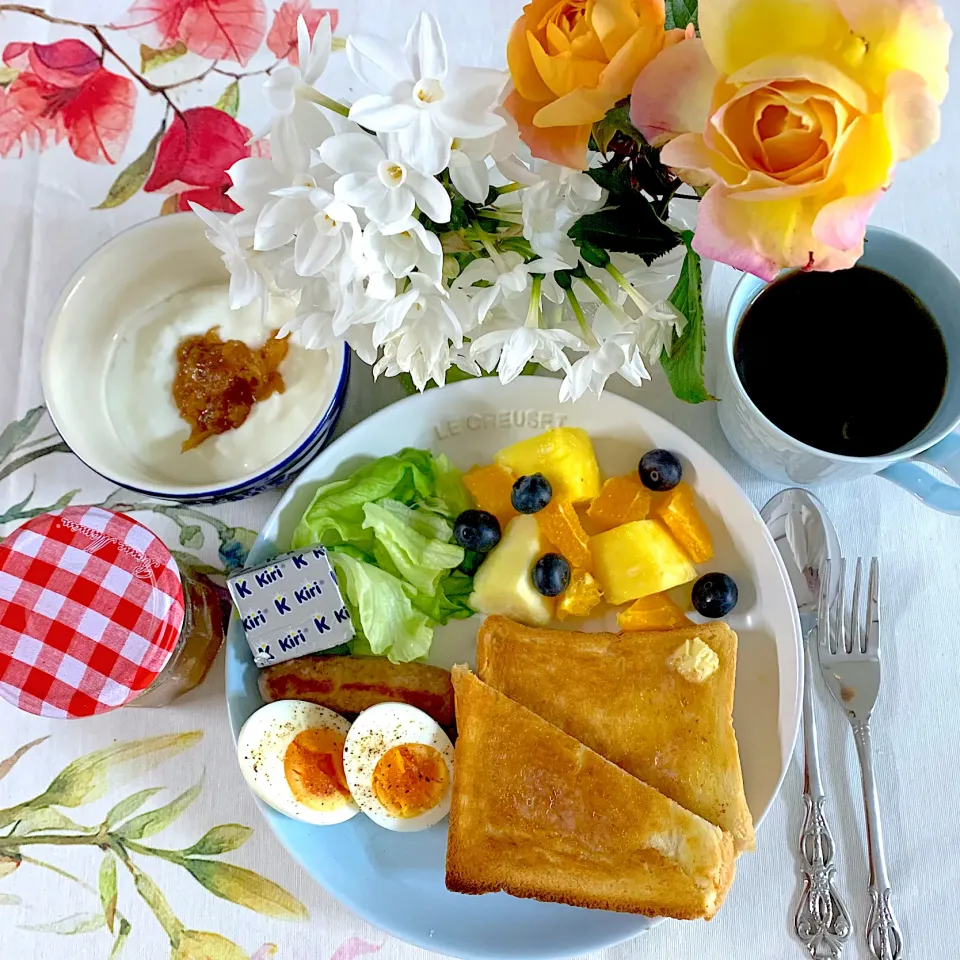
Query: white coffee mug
(781, 457)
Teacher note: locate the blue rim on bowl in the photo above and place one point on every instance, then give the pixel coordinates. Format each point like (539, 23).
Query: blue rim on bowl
(146, 264)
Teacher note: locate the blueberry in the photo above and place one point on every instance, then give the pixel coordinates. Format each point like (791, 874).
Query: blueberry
(471, 562)
(477, 530)
(551, 574)
(531, 494)
(659, 470)
(715, 595)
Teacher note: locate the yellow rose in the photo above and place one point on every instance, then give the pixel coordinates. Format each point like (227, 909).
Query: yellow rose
(571, 61)
(794, 113)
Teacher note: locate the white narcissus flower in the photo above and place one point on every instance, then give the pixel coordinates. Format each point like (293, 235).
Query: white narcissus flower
(589, 373)
(402, 247)
(649, 334)
(287, 207)
(298, 124)
(552, 206)
(377, 181)
(509, 351)
(419, 102)
(428, 340)
(246, 283)
(504, 276)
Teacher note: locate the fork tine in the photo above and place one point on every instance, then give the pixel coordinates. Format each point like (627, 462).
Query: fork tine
(838, 638)
(823, 608)
(854, 640)
(873, 609)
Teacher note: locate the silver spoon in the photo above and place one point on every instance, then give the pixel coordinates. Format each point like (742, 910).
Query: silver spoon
(806, 538)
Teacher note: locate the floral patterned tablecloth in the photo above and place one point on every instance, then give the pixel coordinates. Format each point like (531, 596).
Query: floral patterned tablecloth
(132, 834)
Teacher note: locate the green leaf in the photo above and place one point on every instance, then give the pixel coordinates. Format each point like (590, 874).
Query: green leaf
(132, 177)
(157, 902)
(222, 839)
(10, 900)
(191, 537)
(68, 926)
(122, 935)
(147, 824)
(8, 75)
(170, 205)
(7, 765)
(629, 227)
(39, 819)
(617, 120)
(127, 808)
(17, 511)
(229, 101)
(684, 364)
(17, 431)
(151, 58)
(246, 888)
(86, 779)
(679, 13)
(107, 883)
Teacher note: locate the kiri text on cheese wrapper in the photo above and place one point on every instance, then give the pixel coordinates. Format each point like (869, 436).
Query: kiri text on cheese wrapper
(291, 607)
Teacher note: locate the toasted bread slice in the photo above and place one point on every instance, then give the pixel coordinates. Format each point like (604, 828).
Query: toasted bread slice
(351, 684)
(537, 814)
(615, 693)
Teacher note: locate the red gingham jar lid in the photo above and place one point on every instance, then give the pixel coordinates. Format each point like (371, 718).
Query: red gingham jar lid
(91, 607)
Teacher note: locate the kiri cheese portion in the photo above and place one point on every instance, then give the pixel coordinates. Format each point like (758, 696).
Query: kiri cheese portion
(291, 606)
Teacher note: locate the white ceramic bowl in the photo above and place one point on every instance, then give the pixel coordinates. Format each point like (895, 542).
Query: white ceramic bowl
(136, 269)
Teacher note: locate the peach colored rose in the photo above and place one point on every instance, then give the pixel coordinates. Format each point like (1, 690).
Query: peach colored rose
(571, 61)
(794, 114)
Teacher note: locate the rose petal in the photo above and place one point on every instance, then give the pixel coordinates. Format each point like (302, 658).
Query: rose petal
(522, 68)
(566, 146)
(673, 93)
(639, 49)
(564, 72)
(697, 164)
(738, 32)
(901, 34)
(840, 225)
(911, 114)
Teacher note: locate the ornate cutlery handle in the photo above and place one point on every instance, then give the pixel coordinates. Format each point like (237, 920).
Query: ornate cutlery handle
(822, 921)
(883, 933)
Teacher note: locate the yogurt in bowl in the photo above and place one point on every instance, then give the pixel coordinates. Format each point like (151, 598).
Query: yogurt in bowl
(110, 359)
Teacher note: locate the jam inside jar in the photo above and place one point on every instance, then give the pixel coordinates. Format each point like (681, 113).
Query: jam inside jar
(201, 637)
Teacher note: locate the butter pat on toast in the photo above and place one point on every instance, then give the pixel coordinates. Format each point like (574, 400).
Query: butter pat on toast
(616, 693)
(537, 814)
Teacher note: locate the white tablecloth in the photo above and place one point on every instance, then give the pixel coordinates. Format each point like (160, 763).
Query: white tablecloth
(49, 228)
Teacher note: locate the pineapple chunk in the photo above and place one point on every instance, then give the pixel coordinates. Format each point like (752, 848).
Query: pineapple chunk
(637, 559)
(504, 583)
(655, 612)
(564, 456)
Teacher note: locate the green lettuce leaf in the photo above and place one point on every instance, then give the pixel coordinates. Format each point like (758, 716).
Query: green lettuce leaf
(388, 622)
(411, 476)
(418, 559)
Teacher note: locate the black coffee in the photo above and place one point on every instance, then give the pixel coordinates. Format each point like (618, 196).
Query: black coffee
(848, 362)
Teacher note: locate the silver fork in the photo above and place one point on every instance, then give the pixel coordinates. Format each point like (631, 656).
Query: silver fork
(850, 661)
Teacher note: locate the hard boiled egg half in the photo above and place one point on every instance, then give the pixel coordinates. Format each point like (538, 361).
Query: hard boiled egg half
(291, 755)
(399, 767)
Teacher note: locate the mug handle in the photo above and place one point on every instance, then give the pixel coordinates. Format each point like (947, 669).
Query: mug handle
(927, 489)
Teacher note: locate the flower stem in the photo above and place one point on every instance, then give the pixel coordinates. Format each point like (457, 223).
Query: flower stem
(533, 311)
(315, 96)
(510, 188)
(627, 287)
(493, 213)
(588, 335)
(603, 297)
(487, 242)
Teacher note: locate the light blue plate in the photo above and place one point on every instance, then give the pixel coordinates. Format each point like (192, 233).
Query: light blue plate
(396, 880)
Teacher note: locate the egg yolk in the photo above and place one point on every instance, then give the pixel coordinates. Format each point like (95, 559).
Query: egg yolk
(410, 779)
(313, 766)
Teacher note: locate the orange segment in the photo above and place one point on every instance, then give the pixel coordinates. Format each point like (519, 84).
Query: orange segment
(621, 500)
(560, 525)
(677, 511)
(580, 598)
(656, 612)
(491, 487)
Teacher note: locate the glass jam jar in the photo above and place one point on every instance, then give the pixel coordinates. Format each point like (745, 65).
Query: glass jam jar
(95, 614)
